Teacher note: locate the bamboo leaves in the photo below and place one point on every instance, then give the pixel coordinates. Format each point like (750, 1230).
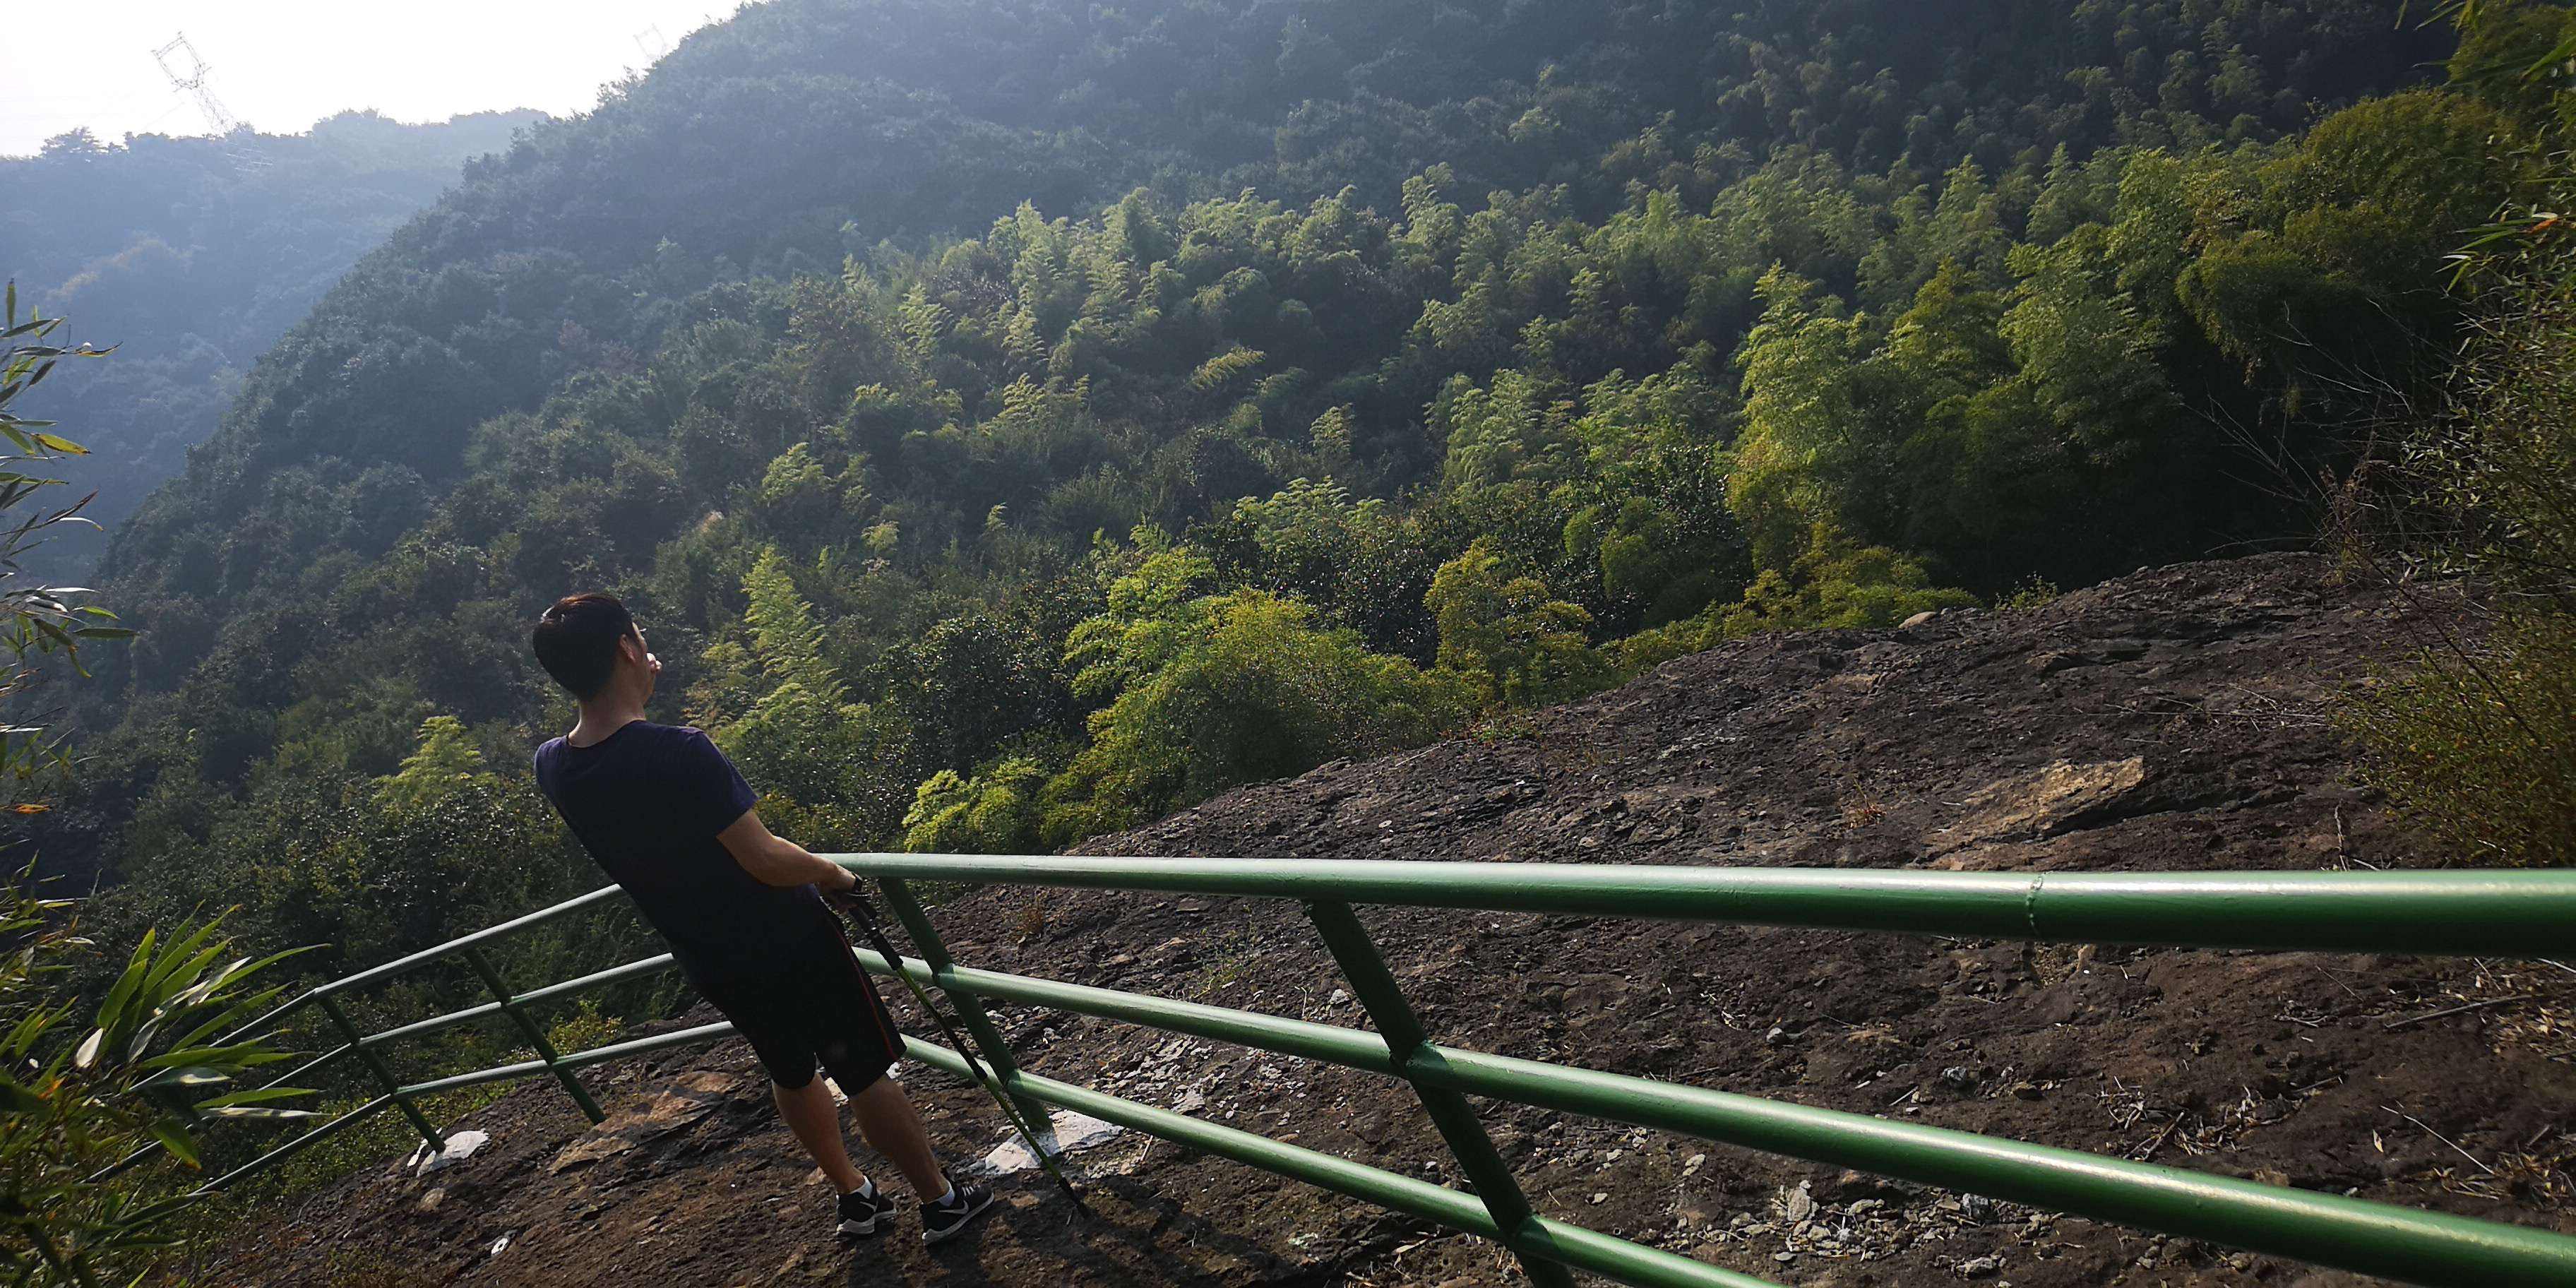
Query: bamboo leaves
(36, 620)
(149, 1064)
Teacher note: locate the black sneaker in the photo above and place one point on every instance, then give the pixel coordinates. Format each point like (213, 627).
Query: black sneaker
(943, 1221)
(861, 1209)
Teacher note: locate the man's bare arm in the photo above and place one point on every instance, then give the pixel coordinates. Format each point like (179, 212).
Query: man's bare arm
(775, 861)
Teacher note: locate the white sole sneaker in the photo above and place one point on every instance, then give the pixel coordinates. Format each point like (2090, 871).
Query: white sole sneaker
(953, 1222)
(858, 1227)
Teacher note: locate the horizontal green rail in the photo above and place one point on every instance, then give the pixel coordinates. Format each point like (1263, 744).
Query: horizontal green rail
(2326, 1229)
(487, 935)
(500, 1073)
(576, 1060)
(534, 996)
(269, 1019)
(2482, 913)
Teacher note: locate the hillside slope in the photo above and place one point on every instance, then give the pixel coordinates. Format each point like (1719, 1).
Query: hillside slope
(626, 354)
(1003, 344)
(2164, 721)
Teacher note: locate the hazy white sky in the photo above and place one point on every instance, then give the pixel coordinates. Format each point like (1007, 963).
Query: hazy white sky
(283, 64)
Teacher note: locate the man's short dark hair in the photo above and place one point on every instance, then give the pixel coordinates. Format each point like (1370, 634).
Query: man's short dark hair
(576, 640)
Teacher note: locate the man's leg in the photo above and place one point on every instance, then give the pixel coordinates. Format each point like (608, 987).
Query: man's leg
(816, 1121)
(893, 1128)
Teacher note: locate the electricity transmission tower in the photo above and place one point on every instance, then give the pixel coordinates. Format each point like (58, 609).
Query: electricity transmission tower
(653, 43)
(188, 72)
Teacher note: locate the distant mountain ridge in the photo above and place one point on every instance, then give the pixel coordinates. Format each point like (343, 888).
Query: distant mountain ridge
(193, 255)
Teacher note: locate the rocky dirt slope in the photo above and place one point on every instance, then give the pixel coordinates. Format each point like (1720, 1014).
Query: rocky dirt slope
(2168, 721)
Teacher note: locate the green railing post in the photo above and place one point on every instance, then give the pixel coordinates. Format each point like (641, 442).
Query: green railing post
(1456, 1120)
(970, 1008)
(384, 1076)
(536, 1036)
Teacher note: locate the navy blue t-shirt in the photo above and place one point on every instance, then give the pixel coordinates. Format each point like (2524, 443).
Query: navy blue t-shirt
(647, 801)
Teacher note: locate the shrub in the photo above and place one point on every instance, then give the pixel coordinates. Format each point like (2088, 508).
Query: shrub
(2475, 742)
(1507, 637)
(993, 812)
(1837, 584)
(2478, 746)
(1222, 690)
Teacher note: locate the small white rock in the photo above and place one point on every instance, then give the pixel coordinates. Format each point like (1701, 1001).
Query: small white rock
(460, 1146)
(1800, 1204)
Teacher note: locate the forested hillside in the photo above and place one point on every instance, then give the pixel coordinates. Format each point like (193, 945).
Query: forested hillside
(195, 255)
(1015, 419)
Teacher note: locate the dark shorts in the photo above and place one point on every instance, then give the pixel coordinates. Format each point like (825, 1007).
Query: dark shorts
(810, 1005)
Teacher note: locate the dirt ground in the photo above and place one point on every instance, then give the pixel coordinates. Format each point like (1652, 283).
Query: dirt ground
(2172, 720)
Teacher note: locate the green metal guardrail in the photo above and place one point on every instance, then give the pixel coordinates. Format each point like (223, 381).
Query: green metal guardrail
(2482, 913)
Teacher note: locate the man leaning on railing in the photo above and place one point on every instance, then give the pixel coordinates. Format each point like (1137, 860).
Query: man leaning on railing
(671, 820)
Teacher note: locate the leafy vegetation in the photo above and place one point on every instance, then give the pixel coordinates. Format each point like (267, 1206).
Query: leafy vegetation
(37, 620)
(84, 1084)
(1016, 419)
(1205, 691)
(2477, 740)
(155, 1058)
